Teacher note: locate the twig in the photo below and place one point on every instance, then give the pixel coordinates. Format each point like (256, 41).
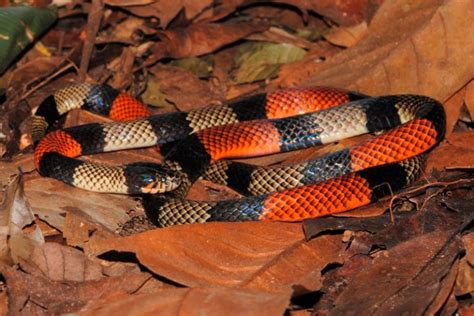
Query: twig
(93, 25)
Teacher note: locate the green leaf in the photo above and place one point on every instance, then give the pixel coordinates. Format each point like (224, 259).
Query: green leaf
(201, 67)
(260, 61)
(19, 27)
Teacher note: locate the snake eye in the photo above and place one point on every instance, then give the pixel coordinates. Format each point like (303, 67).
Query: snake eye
(148, 178)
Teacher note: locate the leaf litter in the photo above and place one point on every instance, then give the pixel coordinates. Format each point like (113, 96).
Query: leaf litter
(410, 253)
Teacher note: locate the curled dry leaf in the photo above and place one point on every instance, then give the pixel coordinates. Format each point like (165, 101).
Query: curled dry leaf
(61, 263)
(199, 39)
(427, 54)
(192, 301)
(15, 216)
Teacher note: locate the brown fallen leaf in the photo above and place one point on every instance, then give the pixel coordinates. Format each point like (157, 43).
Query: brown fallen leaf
(77, 230)
(344, 13)
(445, 290)
(193, 301)
(459, 143)
(183, 88)
(299, 266)
(167, 10)
(427, 54)
(453, 109)
(16, 241)
(346, 36)
(199, 39)
(465, 277)
(61, 263)
(29, 294)
(278, 35)
(217, 254)
(407, 277)
(469, 98)
(52, 199)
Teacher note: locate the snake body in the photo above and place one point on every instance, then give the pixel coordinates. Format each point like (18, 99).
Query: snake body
(194, 144)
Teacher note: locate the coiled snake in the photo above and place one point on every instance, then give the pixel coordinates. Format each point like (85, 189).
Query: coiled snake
(195, 143)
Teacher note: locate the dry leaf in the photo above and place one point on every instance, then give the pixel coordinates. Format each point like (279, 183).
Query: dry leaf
(52, 199)
(342, 12)
(61, 263)
(34, 295)
(278, 35)
(15, 216)
(465, 277)
(446, 288)
(193, 301)
(183, 88)
(453, 109)
(406, 278)
(469, 99)
(199, 39)
(167, 10)
(458, 143)
(125, 3)
(222, 254)
(346, 36)
(77, 230)
(427, 54)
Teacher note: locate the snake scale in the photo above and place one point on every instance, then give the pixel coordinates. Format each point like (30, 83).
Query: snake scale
(197, 143)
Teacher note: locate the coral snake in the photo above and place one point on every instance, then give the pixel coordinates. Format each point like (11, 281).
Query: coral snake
(196, 144)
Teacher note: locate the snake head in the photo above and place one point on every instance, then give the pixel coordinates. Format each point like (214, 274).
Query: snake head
(151, 178)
